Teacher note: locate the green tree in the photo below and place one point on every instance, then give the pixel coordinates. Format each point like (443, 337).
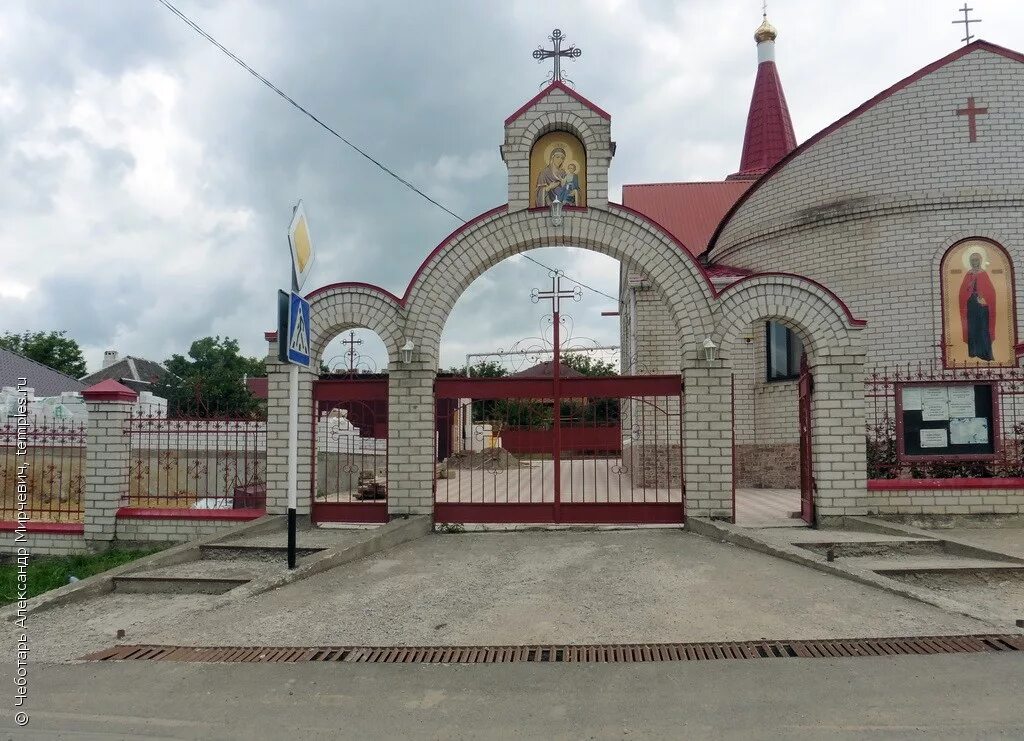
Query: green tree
(482, 369)
(52, 349)
(589, 366)
(210, 382)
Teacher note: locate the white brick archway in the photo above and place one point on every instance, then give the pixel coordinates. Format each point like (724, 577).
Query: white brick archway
(695, 308)
(833, 341)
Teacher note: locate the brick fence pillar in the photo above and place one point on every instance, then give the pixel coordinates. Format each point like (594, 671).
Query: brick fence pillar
(411, 445)
(707, 440)
(106, 457)
(838, 437)
(277, 435)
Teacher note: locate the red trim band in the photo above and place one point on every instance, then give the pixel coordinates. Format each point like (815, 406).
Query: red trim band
(54, 528)
(924, 484)
(357, 512)
(152, 513)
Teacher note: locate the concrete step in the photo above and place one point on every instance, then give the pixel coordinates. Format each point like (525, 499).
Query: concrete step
(932, 564)
(142, 584)
(229, 551)
(875, 548)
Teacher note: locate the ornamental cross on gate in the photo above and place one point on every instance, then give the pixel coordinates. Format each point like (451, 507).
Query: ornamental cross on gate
(351, 352)
(557, 293)
(571, 52)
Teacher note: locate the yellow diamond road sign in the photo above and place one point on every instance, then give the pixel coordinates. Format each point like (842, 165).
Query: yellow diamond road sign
(302, 246)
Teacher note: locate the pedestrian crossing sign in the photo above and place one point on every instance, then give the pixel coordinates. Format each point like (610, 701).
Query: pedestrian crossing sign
(293, 329)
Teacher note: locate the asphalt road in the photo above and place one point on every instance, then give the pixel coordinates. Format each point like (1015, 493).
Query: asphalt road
(945, 697)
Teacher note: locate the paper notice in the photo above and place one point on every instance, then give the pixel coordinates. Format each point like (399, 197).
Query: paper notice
(961, 401)
(934, 404)
(934, 439)
(911, 398)
(968, 431)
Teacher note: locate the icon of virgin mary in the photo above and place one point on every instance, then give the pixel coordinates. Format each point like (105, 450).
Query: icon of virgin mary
(550, 178)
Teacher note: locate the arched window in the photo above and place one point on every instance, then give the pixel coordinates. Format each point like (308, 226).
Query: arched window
(558, 170)
(979, 326)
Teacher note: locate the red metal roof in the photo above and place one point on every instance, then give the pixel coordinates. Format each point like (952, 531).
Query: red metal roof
(769, 136)
(689, 211)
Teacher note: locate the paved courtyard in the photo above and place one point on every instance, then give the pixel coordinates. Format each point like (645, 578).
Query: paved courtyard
(511, 588)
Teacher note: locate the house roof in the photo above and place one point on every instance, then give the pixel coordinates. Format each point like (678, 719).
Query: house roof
(688, 211)
(257, 386)
(45, 380)
(137, 374)
(974, 46)
(769, 135)
(546, 370)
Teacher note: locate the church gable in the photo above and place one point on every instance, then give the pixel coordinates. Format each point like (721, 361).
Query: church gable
(952, 127)
(558, 145)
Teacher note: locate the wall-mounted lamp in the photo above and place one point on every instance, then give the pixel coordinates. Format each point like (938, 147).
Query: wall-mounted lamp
(710, 350)
(556, 213)
(407, 349)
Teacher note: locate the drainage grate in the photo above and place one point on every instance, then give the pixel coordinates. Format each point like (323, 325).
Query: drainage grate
(617, 654)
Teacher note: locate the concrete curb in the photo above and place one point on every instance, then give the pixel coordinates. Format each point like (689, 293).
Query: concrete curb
(387, 536)
(104, 582)
(731, 534)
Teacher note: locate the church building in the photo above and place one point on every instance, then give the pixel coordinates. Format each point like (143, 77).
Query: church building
(908, 208)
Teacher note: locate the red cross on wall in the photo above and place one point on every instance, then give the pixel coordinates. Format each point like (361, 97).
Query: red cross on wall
(972, 112)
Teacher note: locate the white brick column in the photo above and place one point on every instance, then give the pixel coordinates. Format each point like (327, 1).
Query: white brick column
(277, 435)
(411, 443)
(106, 457)
(838, 436)
(707, 439)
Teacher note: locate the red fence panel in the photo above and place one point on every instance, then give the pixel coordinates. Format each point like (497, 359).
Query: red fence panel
(47, 457)
(196, 463)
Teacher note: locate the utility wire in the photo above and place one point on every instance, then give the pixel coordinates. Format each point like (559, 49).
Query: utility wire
(241, 63)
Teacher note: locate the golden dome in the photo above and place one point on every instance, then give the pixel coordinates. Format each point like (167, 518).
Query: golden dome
(765, 32)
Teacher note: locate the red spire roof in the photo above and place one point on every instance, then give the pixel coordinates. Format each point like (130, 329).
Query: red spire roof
(769, 136)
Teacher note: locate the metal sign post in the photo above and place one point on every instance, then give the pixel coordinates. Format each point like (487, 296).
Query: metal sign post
(294, 348)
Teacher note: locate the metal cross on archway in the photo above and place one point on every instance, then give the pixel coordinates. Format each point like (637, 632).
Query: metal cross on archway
(571, 52)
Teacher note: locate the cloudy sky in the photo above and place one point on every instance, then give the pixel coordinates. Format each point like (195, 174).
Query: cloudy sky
(148, 180)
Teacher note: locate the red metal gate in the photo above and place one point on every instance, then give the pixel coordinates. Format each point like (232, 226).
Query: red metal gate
(807, 484)
(570, 450)
(350, 450)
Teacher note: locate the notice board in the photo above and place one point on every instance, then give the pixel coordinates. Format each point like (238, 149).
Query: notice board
(946, 421)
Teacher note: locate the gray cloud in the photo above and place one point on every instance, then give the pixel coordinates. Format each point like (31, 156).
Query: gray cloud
(148, 180)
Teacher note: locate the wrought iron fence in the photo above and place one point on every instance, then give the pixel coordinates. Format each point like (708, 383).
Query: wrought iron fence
(883, 451)
(47, 457)
(196, 462)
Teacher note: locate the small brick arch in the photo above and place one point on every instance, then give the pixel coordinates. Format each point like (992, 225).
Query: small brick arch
(340, 307)
(619, 233)
(819, 317)
(554, 121)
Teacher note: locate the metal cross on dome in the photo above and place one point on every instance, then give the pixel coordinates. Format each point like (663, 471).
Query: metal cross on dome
(967, 21)
(557, 293)
(571, 52)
